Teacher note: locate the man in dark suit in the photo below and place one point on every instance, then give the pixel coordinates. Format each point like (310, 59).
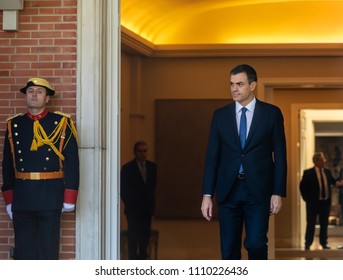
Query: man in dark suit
(246, 167)
(137, 186)
(40, 171)
(315, 189)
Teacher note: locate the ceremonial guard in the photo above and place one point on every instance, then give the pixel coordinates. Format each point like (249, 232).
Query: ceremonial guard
(40, 171)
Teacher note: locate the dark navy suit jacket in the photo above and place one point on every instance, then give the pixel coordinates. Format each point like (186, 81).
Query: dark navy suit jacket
(263, 157)
(138, 197)
(309, 185)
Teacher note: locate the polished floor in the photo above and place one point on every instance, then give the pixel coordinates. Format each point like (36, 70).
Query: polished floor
(335, 240)
(199, 240)
(188, 239)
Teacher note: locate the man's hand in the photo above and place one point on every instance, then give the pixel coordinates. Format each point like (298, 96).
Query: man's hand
(206, 207)
(275, 204)
(339, 183)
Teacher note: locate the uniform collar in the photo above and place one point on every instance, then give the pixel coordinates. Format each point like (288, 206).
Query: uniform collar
(39, 116)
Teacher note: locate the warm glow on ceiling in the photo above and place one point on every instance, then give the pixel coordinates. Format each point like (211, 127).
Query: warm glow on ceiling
(169, 22)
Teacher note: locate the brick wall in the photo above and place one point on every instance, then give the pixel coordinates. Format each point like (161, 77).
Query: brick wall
(44, 46)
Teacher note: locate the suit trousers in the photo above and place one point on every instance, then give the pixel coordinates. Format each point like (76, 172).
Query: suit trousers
(241, 209)
(322, 209)
(37, 234)
(138, 228)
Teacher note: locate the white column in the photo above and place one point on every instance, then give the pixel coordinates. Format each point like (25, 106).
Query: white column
(112, 198)
(97, 123)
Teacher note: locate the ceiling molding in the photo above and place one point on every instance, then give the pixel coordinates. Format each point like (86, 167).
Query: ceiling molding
(249, 50)
(133, 43)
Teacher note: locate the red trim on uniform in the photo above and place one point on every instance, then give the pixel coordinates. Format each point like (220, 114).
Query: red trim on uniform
(39, 116)
(70, 196)
(8, 196)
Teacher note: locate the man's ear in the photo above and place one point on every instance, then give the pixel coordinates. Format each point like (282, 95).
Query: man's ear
(47, 99)
(253, 85)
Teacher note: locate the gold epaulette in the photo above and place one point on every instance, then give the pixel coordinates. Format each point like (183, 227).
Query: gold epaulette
(12, 117)
(62, 114)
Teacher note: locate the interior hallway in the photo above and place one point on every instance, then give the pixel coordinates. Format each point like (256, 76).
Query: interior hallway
(196, 239)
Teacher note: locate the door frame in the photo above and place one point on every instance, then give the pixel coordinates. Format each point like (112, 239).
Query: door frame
(265, 92)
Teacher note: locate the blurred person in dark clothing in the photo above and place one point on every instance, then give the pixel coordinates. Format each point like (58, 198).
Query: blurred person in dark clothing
(137, 186)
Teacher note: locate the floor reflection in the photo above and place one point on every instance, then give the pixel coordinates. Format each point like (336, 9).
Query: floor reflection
(199, 240)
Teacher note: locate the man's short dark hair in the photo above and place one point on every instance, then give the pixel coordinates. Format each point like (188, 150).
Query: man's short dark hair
(138, 143)
(317, 156)
(247, 69)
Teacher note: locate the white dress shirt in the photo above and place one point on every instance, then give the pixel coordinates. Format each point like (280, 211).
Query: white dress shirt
(249, 114)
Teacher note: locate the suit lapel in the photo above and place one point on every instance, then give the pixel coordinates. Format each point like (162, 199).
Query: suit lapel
(256, 120)
(233, 123)
(138, 170)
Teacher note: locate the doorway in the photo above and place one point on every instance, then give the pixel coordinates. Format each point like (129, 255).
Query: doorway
(323, 127)
(293, 95)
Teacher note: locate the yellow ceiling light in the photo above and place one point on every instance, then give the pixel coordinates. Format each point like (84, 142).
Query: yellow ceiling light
(169, 22)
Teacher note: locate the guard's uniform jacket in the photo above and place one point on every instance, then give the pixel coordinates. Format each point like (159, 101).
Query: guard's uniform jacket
(40, 162)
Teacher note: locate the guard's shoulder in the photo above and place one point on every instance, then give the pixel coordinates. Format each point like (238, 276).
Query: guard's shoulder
(62, 114)
(14, 116)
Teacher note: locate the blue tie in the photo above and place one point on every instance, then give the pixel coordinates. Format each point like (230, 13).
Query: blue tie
(243, 127)
(243, 132)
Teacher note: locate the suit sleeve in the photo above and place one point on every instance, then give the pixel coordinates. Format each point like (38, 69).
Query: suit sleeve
(304, 186)
(8, 175)
(153, 176)
(124, 184)
(212, 158)
(71, 166)
(280, 155)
